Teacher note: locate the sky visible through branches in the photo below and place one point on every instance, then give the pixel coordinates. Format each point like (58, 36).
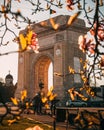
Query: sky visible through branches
(10, 62)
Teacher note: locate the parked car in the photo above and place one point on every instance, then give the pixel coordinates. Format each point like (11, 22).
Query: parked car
(76, 103)
(99, 103)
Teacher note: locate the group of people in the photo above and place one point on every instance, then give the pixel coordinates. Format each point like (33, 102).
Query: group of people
(37, 100)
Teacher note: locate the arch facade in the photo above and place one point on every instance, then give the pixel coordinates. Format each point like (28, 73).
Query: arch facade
(57, 46)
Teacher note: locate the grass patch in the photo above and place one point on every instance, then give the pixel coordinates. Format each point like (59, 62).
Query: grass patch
(23, 123)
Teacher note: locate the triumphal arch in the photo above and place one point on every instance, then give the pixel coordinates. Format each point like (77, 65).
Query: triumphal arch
(59, 47)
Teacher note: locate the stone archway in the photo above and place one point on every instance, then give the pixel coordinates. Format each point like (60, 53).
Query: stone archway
(57, 46)
(41, 73)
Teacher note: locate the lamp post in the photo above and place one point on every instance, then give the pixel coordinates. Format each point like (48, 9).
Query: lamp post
(54, 117)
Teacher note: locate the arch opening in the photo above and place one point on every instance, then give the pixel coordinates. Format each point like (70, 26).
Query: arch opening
(43, 72)
(50, 75)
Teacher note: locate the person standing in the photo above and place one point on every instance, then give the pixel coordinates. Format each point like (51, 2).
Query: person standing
(36, 103)
(40, 103)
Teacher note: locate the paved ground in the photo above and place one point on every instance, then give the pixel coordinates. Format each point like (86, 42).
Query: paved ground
(60, 123)
(47, 119)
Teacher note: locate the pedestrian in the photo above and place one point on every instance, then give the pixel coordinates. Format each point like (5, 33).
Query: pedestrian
(40, 102)
(37, 103)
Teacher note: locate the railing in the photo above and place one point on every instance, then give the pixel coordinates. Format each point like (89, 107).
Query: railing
(86, 118)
